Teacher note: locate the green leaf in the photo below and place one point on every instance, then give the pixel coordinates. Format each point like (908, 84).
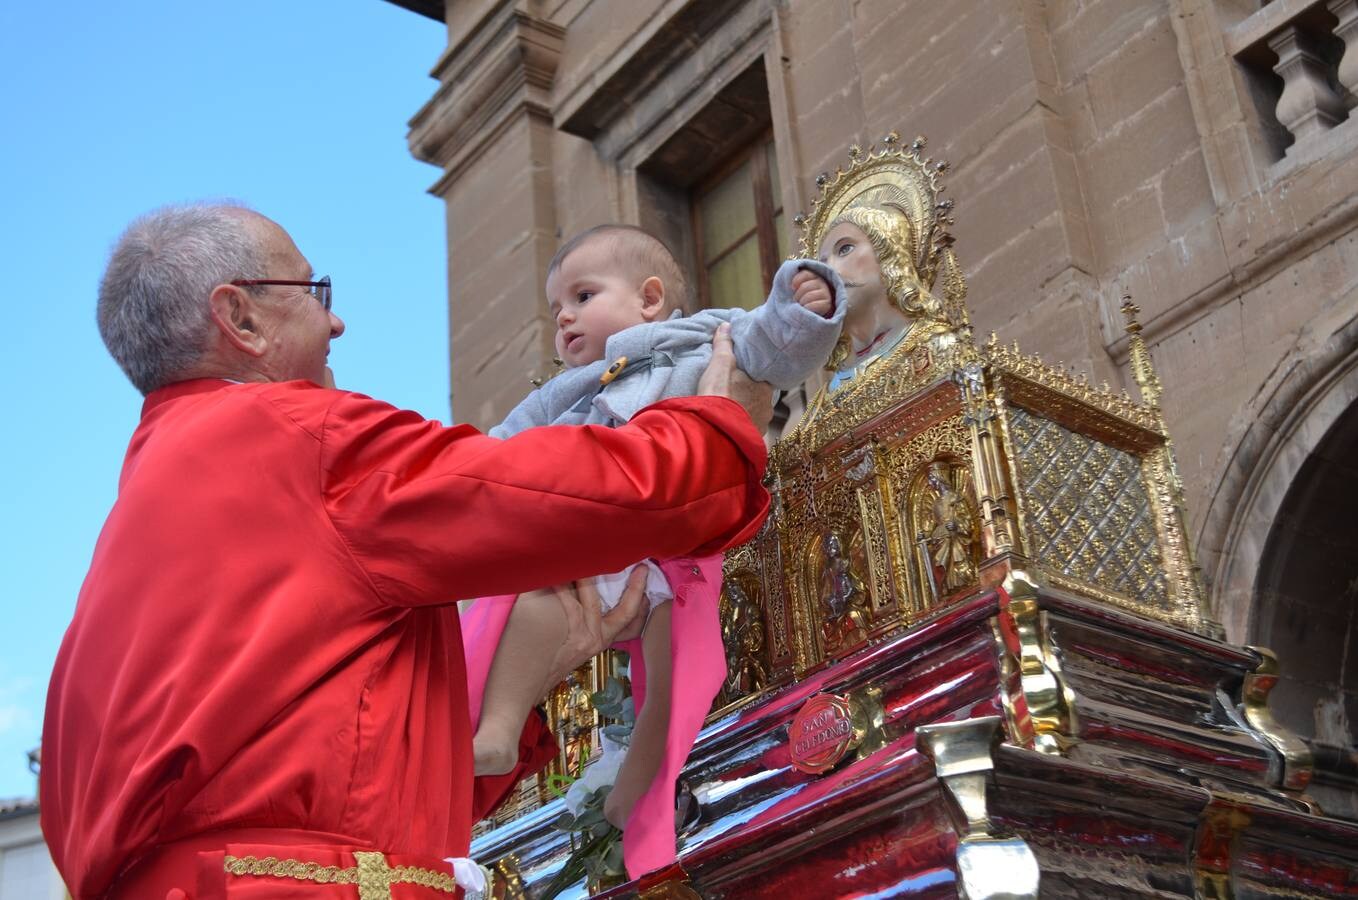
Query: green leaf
(564, 822)
(613, 859)
(612, 694)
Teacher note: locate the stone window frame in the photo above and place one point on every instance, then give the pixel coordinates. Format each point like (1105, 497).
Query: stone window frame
(657, 84)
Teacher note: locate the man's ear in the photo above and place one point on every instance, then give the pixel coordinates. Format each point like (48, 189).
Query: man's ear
(236, 315)
(652, 298)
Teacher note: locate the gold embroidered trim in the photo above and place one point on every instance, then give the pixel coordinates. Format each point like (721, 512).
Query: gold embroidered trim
(372, 875)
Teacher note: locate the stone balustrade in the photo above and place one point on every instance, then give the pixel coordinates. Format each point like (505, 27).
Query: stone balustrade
(1312, 45)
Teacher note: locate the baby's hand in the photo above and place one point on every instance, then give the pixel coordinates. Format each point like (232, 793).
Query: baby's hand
(812, 292)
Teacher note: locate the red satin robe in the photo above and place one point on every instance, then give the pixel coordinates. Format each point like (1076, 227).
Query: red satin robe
(264, 652)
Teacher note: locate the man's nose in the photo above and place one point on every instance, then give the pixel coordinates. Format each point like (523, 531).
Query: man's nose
(336, 326)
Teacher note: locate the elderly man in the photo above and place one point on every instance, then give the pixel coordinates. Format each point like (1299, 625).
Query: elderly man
(262, 692)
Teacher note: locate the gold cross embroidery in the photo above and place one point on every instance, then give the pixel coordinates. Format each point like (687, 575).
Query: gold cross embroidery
(372, 874)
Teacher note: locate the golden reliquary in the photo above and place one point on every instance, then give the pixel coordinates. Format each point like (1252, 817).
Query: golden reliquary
(927, 470)
(931, 468)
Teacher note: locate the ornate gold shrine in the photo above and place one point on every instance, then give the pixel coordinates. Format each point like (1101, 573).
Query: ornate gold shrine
(944, 467)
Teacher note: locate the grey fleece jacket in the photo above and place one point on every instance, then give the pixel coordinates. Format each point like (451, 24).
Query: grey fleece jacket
(779, 342)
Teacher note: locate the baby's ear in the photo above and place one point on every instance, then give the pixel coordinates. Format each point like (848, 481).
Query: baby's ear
(652, 298)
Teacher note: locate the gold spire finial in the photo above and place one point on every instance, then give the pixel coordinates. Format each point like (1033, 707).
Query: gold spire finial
(1129, 312)
(1143, 370)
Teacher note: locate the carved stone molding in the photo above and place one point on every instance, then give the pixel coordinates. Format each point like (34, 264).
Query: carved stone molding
(662, 75)
(1312, 387)
(505, 66)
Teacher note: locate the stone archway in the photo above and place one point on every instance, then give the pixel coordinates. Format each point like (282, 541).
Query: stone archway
(1308, 393)
(1281, 532)
(1306, 592)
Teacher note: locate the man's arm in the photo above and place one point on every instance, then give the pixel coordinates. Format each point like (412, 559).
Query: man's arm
(436, 514)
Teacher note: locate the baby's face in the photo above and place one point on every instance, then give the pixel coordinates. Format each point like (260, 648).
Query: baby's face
(591, 299)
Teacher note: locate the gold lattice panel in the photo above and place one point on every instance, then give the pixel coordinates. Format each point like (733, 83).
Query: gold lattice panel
(1087, 510)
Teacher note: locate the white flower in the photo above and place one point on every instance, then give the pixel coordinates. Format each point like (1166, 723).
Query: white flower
(603, 771)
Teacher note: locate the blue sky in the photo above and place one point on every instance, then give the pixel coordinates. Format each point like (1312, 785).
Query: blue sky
(297, 108)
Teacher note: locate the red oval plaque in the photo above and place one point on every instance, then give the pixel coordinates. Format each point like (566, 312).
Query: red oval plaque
(822, 733)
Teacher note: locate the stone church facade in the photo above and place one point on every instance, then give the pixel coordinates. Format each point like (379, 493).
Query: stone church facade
(1197, 155)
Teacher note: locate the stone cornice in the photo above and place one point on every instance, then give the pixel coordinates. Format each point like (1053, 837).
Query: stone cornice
(504, 65)
(433, 9)
(675, 33)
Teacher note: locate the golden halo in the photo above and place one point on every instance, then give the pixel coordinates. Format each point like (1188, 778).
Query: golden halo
(886, 176)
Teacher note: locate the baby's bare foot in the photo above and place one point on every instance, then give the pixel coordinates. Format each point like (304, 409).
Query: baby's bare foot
(493, 756)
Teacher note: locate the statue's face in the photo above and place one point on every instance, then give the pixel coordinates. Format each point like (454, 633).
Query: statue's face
(847, 250)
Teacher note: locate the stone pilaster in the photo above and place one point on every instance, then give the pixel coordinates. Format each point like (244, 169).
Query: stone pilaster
(489, 127)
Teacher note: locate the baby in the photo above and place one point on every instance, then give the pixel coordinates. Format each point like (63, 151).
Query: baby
(616, 294)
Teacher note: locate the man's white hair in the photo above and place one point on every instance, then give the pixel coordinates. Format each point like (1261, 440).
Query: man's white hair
(153, 298)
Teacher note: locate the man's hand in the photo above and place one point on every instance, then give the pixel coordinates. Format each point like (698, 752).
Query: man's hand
(588, 630)
(811, 291)
(723, 378)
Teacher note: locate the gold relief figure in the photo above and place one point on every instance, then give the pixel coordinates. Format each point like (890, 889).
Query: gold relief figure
(837, 582)
(743, 636)
(939, 519)
(951, 531)
(577, 723)
(843, 598)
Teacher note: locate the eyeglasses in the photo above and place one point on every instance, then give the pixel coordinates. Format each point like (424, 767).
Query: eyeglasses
(319, 289)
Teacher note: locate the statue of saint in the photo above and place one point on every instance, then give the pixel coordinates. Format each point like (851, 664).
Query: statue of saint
(883, 227)
(890, 309)
(842, 595)
(577, 720)
(743, 635)
(952, 532)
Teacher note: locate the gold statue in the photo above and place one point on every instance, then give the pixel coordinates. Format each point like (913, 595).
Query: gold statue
(743, 636)
(577, 720)
(950, 531)
(843, 598)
